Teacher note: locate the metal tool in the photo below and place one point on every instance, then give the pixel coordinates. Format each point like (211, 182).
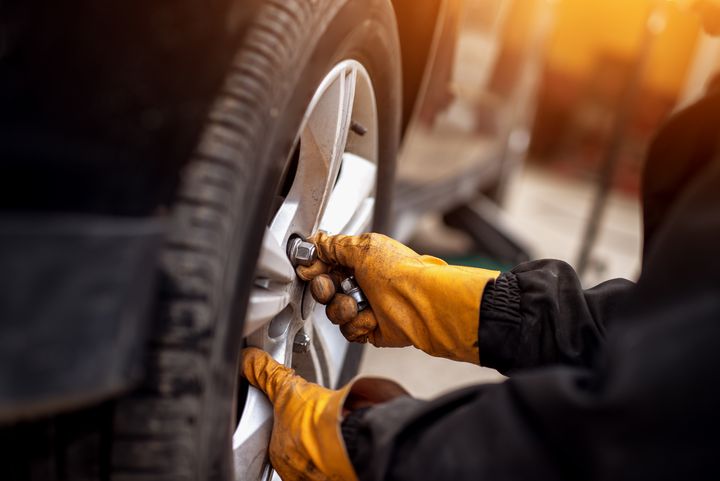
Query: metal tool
(302, 342)
(301, 253)
(351, 288)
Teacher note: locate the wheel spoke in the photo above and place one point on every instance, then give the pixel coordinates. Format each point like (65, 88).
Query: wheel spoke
(264, 305)
(332, 190)
(318, 360)
(274, 264)
(362, 221)
(345, 114)
(252, 436)
(354, 186)
(322, 143)
(333, 344)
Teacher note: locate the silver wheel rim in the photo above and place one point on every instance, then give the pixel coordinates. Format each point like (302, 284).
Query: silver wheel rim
(333, 190)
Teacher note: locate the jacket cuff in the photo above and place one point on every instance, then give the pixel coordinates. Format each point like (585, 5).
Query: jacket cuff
(499, 333)
(350, 428)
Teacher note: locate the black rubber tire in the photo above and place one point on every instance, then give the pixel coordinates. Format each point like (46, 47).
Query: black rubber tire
(177, 426)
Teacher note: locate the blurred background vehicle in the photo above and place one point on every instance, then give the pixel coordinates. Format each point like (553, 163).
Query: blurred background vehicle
(205, 138)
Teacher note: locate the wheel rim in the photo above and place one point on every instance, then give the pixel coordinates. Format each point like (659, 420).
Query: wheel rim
(332, 189)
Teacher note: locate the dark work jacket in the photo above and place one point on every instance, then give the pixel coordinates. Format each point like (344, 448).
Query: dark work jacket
(617, 382)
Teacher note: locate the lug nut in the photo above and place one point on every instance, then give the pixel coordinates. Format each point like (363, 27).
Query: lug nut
(351, 288)
(301, 344)
(301, 253)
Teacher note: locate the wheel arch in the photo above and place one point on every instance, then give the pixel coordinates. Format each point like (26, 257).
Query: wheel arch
(417, 24)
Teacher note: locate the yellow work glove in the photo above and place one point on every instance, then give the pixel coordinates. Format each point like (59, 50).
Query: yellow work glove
(414, 300)
(306, 442)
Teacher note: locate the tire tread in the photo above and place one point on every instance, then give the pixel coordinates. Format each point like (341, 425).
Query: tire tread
(172, 395)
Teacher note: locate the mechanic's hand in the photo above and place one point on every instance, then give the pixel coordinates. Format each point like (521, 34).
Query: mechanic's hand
(414, 300)
(306, 441)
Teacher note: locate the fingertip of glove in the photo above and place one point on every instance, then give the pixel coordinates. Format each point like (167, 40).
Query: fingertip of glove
(308, 273)
(250, 352)
(249, 357)
(264, 372)
(302, 273)
(355, 333)
(323, 289)
(341, 309)
(361, 329)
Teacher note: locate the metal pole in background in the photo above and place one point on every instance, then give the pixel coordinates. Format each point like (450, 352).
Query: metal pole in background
(654, 26)
(525, 98)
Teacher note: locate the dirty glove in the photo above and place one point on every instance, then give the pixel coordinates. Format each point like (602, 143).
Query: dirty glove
(306, 441)
(414, 300)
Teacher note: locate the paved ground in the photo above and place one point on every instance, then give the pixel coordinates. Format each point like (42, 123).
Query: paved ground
(552, 212)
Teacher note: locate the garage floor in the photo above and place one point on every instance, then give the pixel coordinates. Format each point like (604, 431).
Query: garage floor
(551, 212)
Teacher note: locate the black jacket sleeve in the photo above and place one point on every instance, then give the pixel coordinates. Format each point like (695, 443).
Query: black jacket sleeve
(539, 314)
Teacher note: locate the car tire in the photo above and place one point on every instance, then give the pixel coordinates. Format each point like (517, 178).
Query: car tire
(177, 425)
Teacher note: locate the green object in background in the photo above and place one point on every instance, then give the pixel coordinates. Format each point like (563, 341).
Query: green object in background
(471, 260)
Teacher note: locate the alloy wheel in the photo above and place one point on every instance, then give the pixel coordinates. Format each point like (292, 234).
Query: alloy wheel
(330, 186)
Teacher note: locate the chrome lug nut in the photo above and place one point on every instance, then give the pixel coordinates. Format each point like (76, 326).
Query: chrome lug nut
(301, 344)
(351, 288)
(301, 253)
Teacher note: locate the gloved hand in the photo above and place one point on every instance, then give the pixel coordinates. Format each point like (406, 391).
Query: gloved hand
(306, 442)
(414, 300)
